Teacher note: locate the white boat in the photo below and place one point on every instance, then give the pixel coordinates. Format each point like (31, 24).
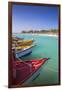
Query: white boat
(24, 51)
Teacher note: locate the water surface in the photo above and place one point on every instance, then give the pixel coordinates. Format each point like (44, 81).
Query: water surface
(46, 46)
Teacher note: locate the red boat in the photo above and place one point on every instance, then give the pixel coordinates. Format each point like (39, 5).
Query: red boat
(25, 71)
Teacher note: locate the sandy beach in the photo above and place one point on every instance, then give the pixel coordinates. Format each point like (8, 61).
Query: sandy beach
(51, 35)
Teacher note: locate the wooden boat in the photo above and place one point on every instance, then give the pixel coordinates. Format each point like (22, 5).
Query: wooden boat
(22, 46)
(26, 71)
(24, 51)
(24, 42)
(16, 39)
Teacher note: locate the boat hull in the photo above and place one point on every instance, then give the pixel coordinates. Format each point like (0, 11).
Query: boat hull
(26, 72)
(33, 76)
(24, 52)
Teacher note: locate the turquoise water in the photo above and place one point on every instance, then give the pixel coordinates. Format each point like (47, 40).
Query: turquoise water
(45, 47)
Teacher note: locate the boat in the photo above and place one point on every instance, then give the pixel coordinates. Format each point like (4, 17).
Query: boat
(26, 71)
(24, 51)
(16, 39)
(25, 46)
(25, 42)
(18, 47)
(20, 44)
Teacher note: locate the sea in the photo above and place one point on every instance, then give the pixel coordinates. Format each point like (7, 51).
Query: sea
(46, 47)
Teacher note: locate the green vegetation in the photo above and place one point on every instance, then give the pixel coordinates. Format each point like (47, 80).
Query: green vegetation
(52, 31)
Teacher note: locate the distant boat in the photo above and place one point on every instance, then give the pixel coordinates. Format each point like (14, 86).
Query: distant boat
(26, 71)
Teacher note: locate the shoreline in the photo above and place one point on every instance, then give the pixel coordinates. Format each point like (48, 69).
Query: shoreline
(51, 35)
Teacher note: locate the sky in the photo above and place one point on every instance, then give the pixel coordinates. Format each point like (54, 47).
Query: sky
(25, 17)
